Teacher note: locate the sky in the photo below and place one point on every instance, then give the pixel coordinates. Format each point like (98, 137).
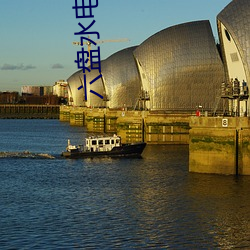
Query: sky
(36, 35)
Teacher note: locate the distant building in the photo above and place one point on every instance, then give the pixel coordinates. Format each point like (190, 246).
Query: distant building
(47, 90)
(37, 90)
(41, 100)
(9, 97)
(30, 90)
(60, 89)
(39, 95)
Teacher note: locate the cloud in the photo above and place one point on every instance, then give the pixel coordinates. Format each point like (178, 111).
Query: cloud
(21, 66)
(57, 66)
(27, 67)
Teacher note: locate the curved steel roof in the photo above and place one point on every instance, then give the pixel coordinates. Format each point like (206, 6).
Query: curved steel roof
(120, 82)
(236, 18)
(180, 67)
(73, 84)
(77, 80)
(121, 79)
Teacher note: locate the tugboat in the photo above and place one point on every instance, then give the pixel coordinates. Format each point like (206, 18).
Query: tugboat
(96, 146)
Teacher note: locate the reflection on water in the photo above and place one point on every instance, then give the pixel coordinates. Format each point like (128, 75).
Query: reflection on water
(224, 201)
(107, 203)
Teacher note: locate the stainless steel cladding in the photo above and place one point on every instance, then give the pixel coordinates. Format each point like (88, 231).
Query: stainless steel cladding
(121, 79)
(234, 29)
(97, 86)
(119, 85)
(180, 67)
(76, 97)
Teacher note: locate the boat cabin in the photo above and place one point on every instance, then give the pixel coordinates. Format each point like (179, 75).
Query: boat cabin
(105, 143)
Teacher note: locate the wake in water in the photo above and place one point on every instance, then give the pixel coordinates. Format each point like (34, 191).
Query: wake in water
(26, 154)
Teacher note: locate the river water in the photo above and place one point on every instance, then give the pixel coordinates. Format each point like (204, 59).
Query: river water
(150, 203)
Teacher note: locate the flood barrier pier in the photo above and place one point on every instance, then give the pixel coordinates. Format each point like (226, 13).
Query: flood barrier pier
(219, 145)
(132, 126)
(25, 111)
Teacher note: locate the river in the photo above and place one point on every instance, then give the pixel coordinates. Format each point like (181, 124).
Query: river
(48, 202)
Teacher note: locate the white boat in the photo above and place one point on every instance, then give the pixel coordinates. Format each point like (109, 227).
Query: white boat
(103, 146)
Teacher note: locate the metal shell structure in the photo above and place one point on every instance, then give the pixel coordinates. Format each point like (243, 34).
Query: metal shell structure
(93, 100)
(119, 85)
(234, 32)
(121, 79)
(180, 67)
(78, 95)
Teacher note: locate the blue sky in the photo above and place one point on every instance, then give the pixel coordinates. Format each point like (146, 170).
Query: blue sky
(36, 35)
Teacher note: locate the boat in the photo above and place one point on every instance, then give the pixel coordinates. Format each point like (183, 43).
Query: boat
(101, 146)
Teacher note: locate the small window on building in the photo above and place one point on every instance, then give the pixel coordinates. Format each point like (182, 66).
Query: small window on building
(227, 35)
(234, 57)
(94, 142)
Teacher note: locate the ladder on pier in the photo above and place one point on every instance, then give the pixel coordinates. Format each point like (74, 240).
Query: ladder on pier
(217, 101)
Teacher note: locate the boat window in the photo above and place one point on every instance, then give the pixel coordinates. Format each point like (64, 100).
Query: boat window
(94, 142)
(117, 141)
(107, 142)
(100, 142)
(112, 141)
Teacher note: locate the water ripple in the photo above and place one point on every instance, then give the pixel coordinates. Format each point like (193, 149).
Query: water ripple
(148, 203)
(26, 154)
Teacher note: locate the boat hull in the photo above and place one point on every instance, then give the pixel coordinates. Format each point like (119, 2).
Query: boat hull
(126, 150)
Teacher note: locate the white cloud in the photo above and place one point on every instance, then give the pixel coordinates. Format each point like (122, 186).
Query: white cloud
(57, 66)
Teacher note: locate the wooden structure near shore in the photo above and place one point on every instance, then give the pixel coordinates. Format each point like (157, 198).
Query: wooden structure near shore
(24, 111)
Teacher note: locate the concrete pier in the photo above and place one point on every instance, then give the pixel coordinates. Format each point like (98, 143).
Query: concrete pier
(167, 129)
(132, 126)
(64, 114)
(219, 145)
